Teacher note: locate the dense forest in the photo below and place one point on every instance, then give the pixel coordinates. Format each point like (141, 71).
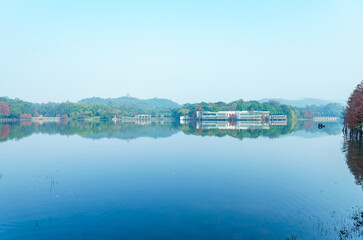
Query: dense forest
(275, 108)
(301, 103)
(153, 103)
(22, 109)
(108, 108)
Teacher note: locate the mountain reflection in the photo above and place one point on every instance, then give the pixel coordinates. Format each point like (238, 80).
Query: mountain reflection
(93, 130)
(133, 130)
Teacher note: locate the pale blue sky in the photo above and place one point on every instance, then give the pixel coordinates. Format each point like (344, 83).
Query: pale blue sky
(186, 51)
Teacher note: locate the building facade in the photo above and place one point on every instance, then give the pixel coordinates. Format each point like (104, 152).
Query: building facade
(233, 115)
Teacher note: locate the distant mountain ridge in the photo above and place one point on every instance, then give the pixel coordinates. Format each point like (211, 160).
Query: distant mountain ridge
(302, 102)
(153, 103)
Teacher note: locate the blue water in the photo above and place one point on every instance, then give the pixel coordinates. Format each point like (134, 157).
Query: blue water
(164, 182)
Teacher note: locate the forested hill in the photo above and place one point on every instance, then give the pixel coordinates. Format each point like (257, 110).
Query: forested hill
(153, 103)
(91, 107)
(301, 103)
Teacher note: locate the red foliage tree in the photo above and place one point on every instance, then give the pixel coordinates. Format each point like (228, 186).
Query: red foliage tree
(198, 109)
(64, 116)
(354, 111)
(233, 116)
(4, 109)
(309, 114)
(26, 116)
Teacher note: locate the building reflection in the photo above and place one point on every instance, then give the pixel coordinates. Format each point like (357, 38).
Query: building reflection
(238, 125)
(235, 125)
(143, 122)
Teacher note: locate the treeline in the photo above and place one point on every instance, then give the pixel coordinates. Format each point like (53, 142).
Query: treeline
(83, 110)
(16, 108)
(153, 103)
(240, 105)
(275, 108)
(22, 109)
(328, 110)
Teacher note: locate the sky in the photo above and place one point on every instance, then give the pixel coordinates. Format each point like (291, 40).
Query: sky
(184, 50)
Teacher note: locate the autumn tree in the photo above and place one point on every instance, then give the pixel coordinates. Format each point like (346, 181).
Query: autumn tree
(233, 116)
(309, 114)
(353, 117)
(26, 116)
(198, 109)
(4, 109)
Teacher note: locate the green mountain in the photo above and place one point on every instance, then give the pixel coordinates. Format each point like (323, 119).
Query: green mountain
(153, 103)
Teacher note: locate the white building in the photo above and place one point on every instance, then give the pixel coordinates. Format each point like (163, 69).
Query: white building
(233, 115)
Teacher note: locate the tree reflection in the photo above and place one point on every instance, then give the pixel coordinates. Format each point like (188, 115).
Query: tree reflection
(251, 130)
(354, 157)
(94, 130)
(133, 130)
(4, 131)
(309, 124)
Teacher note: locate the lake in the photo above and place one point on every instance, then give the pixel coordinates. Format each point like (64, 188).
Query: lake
(143, 180)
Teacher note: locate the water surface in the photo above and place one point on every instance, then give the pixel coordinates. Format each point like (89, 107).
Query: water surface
(77, 180)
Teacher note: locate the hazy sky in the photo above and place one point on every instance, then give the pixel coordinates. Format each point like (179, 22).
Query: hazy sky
(182, 50)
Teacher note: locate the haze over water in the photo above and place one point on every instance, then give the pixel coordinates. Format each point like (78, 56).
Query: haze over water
(76, 180)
